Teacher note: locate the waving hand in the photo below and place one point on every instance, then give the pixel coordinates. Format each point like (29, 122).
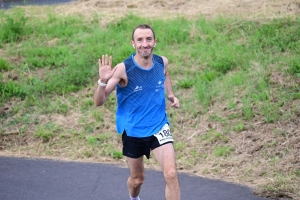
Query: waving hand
(105, 71)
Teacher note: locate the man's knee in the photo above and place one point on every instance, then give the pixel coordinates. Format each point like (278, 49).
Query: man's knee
(137, 181)
(170, 175)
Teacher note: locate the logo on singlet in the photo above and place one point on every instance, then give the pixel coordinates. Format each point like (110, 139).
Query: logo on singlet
(138, 88)
(159, 86)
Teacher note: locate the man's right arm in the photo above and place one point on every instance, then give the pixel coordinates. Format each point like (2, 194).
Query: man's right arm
(102, 92)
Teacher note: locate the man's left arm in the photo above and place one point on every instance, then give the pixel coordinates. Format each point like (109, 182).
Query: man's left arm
(168, 86)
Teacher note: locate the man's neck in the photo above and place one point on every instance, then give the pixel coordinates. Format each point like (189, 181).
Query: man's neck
(145, 63)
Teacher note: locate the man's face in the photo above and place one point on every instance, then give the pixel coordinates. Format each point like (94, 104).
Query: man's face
(144, 42)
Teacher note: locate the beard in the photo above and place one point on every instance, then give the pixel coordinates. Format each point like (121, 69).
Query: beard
(145, 54)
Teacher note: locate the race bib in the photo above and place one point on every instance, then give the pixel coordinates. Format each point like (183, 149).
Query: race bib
(164, 135)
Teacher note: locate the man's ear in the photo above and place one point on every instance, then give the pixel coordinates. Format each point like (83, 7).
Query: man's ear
(132, 43)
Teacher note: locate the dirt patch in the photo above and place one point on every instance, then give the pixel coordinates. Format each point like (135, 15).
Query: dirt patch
(111, 9)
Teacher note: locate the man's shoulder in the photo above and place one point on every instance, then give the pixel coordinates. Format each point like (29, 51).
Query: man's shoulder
(128, 61)
(161, 59)
(158, 58)
(120, 67)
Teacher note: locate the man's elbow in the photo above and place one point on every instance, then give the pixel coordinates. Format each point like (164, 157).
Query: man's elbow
(98, 103)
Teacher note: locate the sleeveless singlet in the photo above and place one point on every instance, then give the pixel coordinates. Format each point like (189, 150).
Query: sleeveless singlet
(141, 103)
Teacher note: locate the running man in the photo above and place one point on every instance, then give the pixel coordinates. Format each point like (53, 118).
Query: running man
(141, 81)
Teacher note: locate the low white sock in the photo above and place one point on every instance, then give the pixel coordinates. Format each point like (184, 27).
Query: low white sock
(136, 198)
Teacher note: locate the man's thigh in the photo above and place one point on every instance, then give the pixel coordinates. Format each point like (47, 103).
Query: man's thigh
(165, 155)
(136, 166)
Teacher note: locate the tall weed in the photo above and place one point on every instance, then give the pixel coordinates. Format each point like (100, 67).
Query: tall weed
(294, 66)
(11, 89)
(13, 28)
(4, 65)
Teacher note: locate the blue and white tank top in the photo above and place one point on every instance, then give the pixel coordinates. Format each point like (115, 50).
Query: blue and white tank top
(141, 103)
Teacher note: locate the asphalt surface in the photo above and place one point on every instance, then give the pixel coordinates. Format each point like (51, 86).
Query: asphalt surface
(6, 4)
(41, 179)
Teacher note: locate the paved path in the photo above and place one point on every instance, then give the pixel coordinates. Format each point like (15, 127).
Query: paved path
(41, 179)
(6, 4)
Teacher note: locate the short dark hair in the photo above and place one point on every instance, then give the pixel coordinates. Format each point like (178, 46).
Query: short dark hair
(143, 26)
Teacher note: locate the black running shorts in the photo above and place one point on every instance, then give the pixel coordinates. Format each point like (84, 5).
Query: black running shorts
(134, 147)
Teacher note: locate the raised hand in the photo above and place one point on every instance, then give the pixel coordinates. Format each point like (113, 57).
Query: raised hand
(105, 71)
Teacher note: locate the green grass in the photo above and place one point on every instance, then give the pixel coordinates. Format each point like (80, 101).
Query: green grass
(70, 63)
(222, 69)
(223, 150)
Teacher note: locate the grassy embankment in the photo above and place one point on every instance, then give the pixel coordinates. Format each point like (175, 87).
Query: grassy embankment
(238, 82)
